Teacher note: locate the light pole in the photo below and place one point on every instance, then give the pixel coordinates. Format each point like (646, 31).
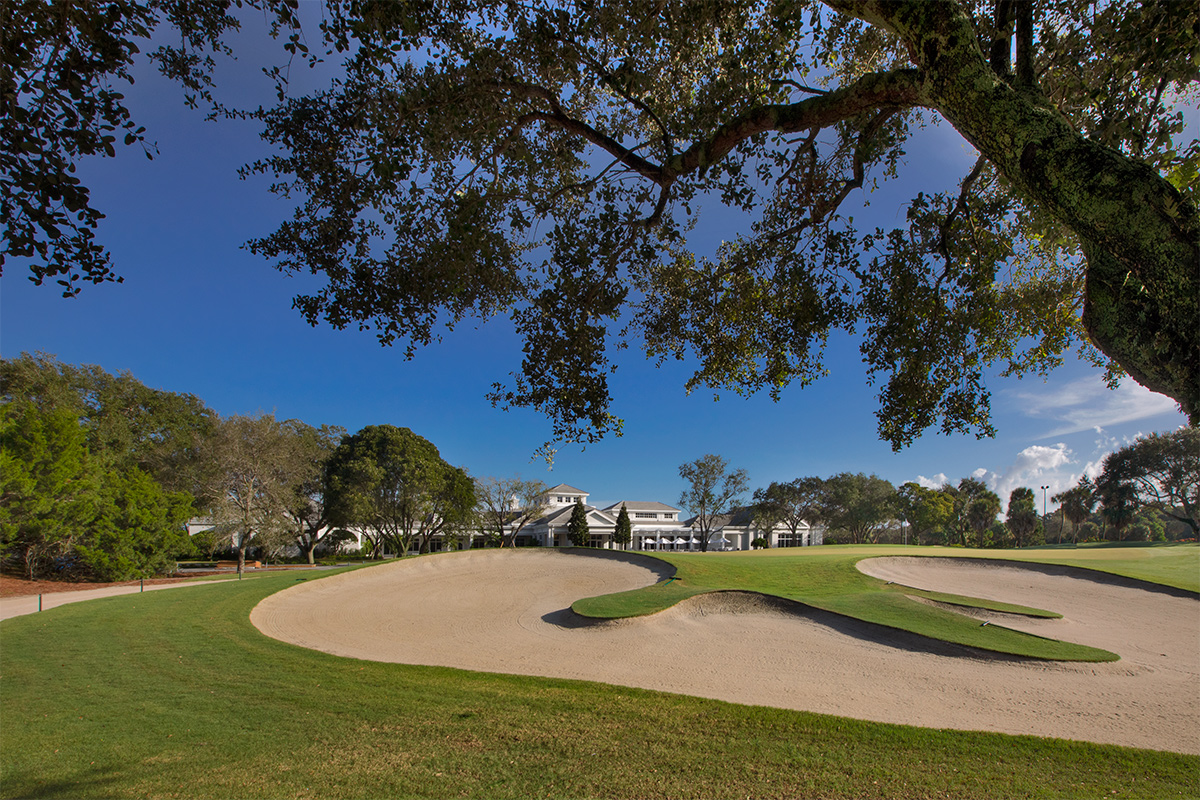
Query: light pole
(1044, 488)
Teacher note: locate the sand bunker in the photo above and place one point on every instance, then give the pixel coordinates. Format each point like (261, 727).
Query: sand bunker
(508, 611)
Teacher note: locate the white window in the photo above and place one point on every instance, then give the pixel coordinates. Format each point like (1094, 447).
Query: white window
(644, 515)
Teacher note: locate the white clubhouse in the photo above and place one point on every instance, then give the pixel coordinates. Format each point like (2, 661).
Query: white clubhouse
(656, 526)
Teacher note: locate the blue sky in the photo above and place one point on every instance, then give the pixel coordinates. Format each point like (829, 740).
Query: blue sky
(199, 314)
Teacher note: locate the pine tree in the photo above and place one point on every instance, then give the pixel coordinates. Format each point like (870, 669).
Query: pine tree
(577, 527)
(623, 533)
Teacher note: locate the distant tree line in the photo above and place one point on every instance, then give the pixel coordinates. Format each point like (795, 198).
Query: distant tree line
(100, 475)
(1147, 491)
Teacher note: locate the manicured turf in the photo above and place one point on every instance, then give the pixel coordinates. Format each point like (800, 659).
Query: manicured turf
(826, 578)
(175, 694)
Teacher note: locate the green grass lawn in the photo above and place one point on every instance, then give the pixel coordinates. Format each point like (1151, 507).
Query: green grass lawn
(826, 578)
(175, 694)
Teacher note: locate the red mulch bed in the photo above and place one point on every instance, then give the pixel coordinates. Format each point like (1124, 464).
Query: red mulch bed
(13, 586)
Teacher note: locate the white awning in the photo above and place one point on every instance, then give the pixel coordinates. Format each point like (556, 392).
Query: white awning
(649, 540)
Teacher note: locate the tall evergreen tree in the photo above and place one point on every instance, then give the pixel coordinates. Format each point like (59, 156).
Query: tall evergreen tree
(49, 486)
(623, 533)
(577, 527)
(65, 512)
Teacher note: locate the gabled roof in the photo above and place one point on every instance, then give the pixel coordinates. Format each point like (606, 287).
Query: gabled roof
(561, 516)
(640, 505)
(563, 488)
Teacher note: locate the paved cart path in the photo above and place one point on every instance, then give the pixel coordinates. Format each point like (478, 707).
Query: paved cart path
(508, 611)
(19, 605)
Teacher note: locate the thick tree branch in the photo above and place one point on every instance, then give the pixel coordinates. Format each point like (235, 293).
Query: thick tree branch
(559, 118)
(1026, 73)
(889, 90)
(1001, 51)
(615, 85)
(897, 89)
(1140, 235)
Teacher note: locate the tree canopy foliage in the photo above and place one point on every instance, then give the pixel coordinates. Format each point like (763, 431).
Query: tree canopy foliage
(713, 489)
(87, 465)
(259, 464)
(394, 486)
(1022, 517)
(1161, 471)
(795, 504)
(547, 161)
(926, 510)
(1077, 504)
(306, 504)
(507, 505)
(125, 423)
(862, 506)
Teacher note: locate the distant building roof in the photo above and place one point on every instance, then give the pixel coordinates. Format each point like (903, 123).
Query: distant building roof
(563, 488)
(739, 517)
(561, 516)
(640, 505)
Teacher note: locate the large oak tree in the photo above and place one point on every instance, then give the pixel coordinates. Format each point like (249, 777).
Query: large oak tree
(394, 487)
(547, 161)
(1161, 471)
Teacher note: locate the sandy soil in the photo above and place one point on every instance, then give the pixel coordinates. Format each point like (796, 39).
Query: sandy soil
(508, 611)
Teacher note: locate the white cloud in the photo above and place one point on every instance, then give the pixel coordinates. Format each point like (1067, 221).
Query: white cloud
(1036, 466)
(936, 482)
(1087, 404)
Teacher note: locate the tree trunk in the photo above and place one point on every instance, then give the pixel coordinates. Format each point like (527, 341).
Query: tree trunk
(1140, 236)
